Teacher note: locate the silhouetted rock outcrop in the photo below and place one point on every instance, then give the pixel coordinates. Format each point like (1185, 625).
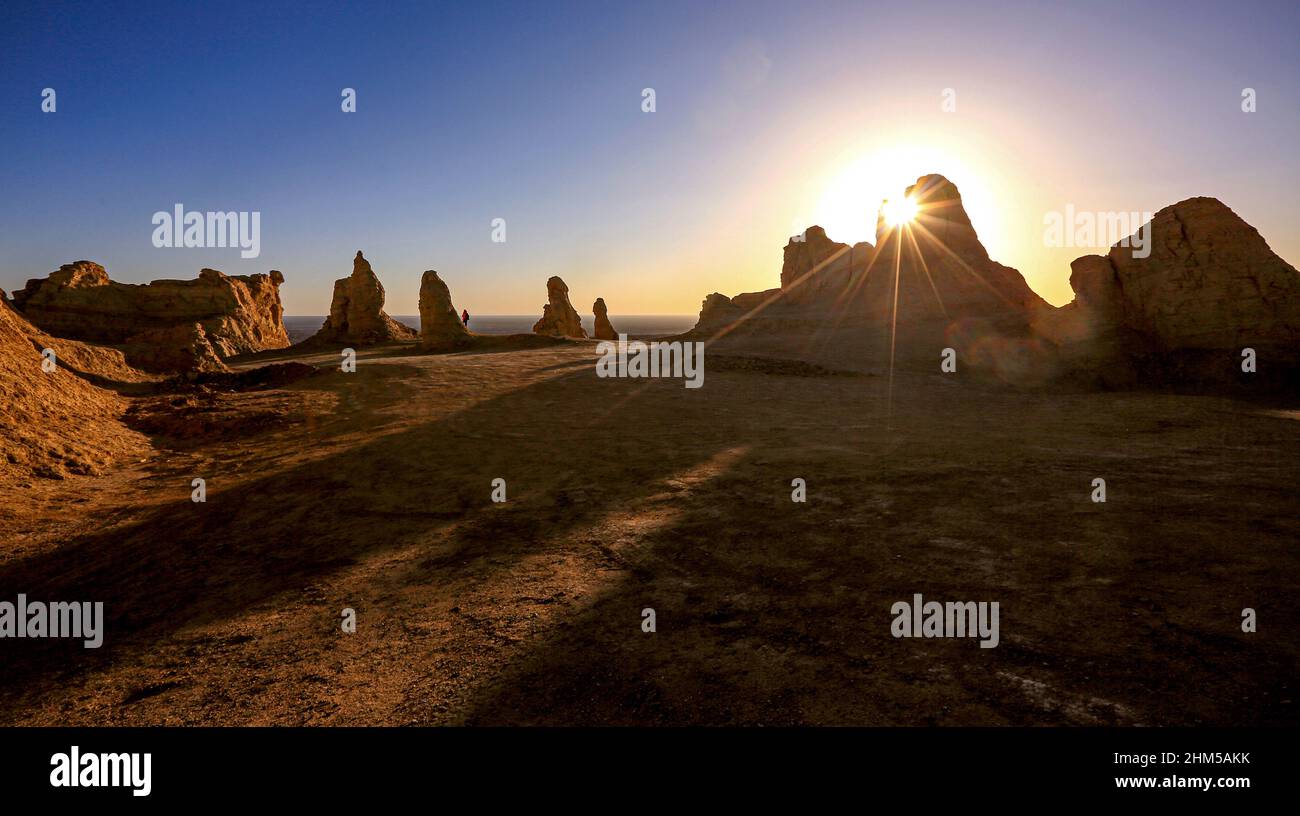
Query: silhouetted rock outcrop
(816, 269)
(357, 314)
(440, 326)
(1209, 288)
(559, 318)
(239, 314)
(604, 330)
(717, 312)
(931, 280)
(944, 271)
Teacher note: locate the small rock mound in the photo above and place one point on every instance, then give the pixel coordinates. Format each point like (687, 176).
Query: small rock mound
(604, 329)
(357, 314)
(440, 326)
(559, 318)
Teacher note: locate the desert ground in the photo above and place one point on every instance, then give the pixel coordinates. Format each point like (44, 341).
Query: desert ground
(372, 491)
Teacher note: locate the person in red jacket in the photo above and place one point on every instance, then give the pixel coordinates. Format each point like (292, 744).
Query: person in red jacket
(464, 317)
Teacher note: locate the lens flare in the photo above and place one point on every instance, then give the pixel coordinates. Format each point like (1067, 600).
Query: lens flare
(902, 211)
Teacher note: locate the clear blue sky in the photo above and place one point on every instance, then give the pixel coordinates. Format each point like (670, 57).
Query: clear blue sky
(531, 112)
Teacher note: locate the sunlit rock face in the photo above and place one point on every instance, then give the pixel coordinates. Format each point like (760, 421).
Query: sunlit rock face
(357, 315)
(238, 313)
(53, 422)
(440, 325)
(559, 318)
(181, 348)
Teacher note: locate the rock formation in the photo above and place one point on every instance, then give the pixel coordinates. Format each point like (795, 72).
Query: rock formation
(816, 269)
(53, 423)
(944, 272)
(933, 273)
(604, 330)
(718, 312)
(559, 318)
(184, 349)
(238, 314)
(1209, 287)
(357, 314)
(440, 326)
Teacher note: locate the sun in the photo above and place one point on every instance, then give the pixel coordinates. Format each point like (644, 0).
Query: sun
(899, 211)
(856, 182)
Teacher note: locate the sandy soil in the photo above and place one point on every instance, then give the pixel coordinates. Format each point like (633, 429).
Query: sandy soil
(372, 491)
(54, 424)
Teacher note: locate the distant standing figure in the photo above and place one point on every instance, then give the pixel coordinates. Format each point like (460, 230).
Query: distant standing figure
(464, 317)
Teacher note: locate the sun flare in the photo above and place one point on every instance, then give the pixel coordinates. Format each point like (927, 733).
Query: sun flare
(855, 186)
(899, 211)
